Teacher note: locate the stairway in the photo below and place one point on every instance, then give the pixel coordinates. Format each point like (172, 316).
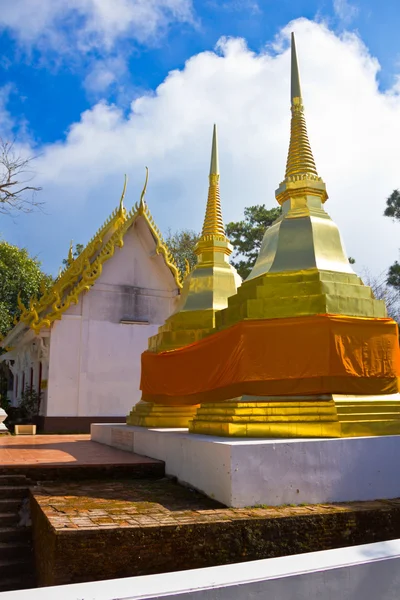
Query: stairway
(17, 568)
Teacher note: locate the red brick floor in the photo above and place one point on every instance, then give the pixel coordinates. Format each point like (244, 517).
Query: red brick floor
(78, 450)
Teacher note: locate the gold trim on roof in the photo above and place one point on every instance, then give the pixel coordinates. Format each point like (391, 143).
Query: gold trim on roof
(85, 269)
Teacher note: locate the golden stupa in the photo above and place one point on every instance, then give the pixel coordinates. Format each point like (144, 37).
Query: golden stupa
(205, 292)
(303, 348)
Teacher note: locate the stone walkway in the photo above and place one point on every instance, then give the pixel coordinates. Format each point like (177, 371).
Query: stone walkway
(78, 450)
(97, 505)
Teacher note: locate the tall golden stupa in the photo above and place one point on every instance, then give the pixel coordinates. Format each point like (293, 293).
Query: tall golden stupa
(303, 348)
(205, 292)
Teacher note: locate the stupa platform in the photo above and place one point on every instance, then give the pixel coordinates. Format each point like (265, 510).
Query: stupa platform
(245, 472)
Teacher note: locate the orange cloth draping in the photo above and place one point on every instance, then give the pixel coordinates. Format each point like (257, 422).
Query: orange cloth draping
(318, 354)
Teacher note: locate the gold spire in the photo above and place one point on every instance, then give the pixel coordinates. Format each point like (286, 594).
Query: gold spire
(70, 258)
(300, 166)
(213, 224)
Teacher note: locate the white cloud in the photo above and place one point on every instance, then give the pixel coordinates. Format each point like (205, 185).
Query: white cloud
(353, 128)
(90, 24)
(104, 74)
(345, 11)
(6, 120)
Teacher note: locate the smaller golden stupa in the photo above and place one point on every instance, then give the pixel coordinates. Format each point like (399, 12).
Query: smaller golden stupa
(206, 290)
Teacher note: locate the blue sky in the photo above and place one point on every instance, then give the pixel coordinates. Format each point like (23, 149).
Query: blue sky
(48, 90)
(60, 59)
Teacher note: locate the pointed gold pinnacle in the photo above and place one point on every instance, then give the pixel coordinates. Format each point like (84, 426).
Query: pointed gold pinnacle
(213, 224)
(70, 258)
(300, 162)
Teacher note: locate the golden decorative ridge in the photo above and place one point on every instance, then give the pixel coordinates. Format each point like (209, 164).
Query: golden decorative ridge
(87, 267)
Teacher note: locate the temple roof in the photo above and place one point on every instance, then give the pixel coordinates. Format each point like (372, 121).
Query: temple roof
(80, 273)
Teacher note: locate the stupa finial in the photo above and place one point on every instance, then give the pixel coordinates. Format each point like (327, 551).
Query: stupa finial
(213, 224)
(300, 165)
(214, 164)
(295, 89)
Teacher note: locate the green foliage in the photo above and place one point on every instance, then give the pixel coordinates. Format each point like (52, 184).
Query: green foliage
(246, 236)
(181, 244)
(393, 205)
(29, 406)
(393, 210)
(76, 252)
(352, 260)
(394, 275)
(22, 274)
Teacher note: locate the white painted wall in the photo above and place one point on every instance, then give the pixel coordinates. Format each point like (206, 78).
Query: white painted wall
(94, 359)
(244, 472)
(367, 572)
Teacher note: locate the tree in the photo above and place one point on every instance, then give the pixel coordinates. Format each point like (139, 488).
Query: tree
(20, 274)
(246, 236)
(75, 253)
(393, 205)
(393, 278)
(384, 291)
(393, 210)
(15, 175)
(181, 244)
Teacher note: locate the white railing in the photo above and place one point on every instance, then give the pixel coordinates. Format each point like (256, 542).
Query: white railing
(368, 572)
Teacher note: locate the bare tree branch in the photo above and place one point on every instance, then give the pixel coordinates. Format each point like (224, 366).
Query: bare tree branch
(383, 291)
(16, 195)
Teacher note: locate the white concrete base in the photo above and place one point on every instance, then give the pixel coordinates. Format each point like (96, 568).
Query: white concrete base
(243, 472)
(3, 417)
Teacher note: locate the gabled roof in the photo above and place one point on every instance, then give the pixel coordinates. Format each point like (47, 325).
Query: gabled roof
(81, 273)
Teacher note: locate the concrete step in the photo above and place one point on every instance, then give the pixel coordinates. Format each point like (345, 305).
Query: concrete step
(12, 479)
(9, 518)
(13, 534)
(10, 505)
(366, 416)
(14, 566)
(13, 491)
(16, 549)
(10, 584)
(370, 427)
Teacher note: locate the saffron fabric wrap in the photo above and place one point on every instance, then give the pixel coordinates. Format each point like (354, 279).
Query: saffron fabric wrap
(320, 354)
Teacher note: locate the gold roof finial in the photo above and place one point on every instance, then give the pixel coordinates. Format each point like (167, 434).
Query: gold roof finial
(70, 258)
(121, 208)
(213, 224)
(142, 195)
(300, 163)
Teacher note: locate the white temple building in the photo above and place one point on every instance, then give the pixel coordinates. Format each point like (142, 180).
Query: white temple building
(80, 343)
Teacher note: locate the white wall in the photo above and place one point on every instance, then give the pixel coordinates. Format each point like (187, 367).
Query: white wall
(368, 572)
(64, 365)
(94, 359)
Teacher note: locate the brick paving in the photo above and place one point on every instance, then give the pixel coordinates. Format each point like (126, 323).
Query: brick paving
(143, 504)
(77, 450)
